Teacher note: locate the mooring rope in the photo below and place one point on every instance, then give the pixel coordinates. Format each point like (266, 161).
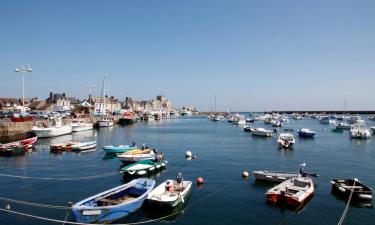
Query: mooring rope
(60, 178)
(34, 204)
(135, 223)
(347, 205)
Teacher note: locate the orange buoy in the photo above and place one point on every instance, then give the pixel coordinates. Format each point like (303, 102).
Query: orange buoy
(200, 180)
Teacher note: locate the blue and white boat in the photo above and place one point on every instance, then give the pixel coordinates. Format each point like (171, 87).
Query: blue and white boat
(113, 204)
(306, 132)
(110, 149)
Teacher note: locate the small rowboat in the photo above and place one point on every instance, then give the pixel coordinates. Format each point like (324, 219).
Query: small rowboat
(343, 188)
(113, 204)
(137, 155)
(25, 143)
(274, 176)
(68, 146)
(170, 193)
(144, 167)
(293, 192)
(118, 149)
(84, 146)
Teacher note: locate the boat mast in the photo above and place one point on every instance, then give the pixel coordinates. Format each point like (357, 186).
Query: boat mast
(215, 103)
(101, 98)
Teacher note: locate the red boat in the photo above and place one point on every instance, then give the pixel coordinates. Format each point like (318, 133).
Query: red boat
(25, 143)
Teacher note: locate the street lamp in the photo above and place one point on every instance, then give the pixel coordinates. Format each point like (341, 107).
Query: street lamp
(23, 69)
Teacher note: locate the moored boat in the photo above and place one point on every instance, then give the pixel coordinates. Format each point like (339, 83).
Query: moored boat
(286, 140)
(25, 142)
(55, 129)
(137, 155)
(247, 128)
(145, 167)
(306, 132)
(170, 193)
(110, 149)
(113, 204)
(262, 132)
(78, 125)
(360, 131)
(105, 121)
(274, 176)
(128, 118)
(343, 188)
(343, 126)
(82, 146)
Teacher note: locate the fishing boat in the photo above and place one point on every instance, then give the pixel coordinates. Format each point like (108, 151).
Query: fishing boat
(360, 131)
(274, 176)
(56, 128)
(128, 118)
(79, 125)
(170, 193)
(82, 146)
(344, 187)
(286, 140)
(137, 155)
(306, 132)
(343, 126)
(262, 132)
(105, 121)
(293, 192)
(24, 142)
(145, 167)
(110, 149)
(113, 204)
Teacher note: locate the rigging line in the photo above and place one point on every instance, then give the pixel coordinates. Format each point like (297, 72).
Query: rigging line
(60, 178)
(347, 205)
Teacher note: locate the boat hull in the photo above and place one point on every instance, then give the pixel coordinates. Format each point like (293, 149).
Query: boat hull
(20, 144)
(105, 123)
(118, 149)
(52, 132)
(82, 127)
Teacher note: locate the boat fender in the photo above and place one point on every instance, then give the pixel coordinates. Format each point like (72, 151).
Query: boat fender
(341, 189)
(188, 154)
(332, 182)
(245, 174)
(364, 196)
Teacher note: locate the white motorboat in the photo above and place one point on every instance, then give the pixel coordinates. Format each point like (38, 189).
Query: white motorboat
(296, 116)
(239, 122)
(105, 121)
(343, 126)
(262, 132)
(78, 125)
(326, 120)
(286, 140)
(55, 128)
(360, 131)
(277, 123)
(170, 193)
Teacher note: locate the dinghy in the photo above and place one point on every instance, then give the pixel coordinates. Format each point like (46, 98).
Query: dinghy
(110, 149)
(144, 167)
(274, 176)
(343, 188)
(113, 204)
(137, 155)
(170, 193)
(84, 146)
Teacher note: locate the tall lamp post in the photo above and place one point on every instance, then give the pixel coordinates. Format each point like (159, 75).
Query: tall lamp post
(90, 87)
(23, 69)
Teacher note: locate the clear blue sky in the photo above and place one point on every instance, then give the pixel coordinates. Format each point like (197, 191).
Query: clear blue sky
(254, 55)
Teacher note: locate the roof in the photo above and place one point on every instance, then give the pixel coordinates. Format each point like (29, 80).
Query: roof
(5, 101)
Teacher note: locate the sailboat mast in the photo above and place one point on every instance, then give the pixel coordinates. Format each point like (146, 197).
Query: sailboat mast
(101, 97)
(215, 103)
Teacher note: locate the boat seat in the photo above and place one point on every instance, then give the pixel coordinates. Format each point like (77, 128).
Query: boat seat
(110, 201)
(351, 187)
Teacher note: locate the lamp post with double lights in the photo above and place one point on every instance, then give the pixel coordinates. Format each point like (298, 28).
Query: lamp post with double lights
(23, 69)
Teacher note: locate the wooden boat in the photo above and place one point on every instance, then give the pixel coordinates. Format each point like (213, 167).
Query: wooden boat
(26, 142)
(137, 156)
(306, 132)
(144, 167)
(274, 176)
(343, 188)
(84, 146)
(118, 149)
(170, 193)
(292, 192)
(286, 140)
(68, 146)
(113, 204)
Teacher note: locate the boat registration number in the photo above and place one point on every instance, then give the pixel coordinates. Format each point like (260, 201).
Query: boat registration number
(91, 212)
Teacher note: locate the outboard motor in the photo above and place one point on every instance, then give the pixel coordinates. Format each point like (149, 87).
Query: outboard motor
(179, 178)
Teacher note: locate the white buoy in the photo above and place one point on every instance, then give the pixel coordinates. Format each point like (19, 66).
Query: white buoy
(188, 154)
(245, 174)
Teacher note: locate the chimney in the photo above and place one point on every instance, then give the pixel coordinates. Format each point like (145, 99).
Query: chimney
(50, 95)
(64, 95)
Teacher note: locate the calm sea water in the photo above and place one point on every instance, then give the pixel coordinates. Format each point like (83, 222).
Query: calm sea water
(223, 151)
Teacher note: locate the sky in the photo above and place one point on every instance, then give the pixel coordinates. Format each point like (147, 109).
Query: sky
(253, 55)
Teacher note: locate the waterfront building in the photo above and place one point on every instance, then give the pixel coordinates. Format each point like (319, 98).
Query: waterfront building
(107, 104)
(9, 104)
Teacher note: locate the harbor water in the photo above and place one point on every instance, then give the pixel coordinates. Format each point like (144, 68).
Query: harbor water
(223, 152)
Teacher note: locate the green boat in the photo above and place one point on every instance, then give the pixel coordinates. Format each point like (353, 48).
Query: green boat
(144, 167)
(118, 149)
